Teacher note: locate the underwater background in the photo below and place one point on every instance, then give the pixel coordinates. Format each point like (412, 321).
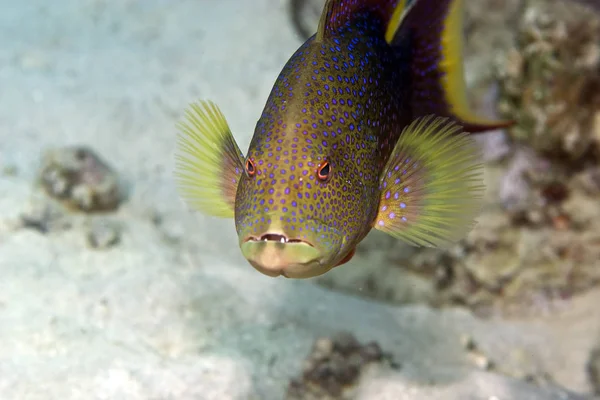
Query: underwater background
(111, 288)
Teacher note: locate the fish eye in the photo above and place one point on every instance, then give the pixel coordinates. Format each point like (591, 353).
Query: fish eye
(250, 167)
(323, 171)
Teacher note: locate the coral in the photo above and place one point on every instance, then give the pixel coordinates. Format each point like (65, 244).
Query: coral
(550, 80)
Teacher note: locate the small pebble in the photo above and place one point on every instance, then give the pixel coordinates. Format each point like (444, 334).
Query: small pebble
(481, 361)
(475, 355)
(468, 342)
(44, 218)
(345, 343)
(103, 234)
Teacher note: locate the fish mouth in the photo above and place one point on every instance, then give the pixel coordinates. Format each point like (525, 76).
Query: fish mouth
(275, 237)
(275, 254)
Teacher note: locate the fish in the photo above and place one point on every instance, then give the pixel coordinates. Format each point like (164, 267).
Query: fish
(367, 127)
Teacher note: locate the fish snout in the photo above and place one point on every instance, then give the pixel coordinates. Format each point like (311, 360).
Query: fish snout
(275, 253)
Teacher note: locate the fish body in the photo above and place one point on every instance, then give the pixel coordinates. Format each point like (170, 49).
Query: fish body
(365, 127)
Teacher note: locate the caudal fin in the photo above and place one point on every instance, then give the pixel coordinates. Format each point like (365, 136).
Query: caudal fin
(432, 33)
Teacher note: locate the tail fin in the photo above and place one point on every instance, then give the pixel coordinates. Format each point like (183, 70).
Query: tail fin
(433, 32)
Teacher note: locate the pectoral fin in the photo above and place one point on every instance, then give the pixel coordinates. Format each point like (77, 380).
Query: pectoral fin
(208, 161)
(432, 186)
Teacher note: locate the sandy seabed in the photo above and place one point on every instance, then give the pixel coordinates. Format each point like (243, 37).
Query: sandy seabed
(173, 311)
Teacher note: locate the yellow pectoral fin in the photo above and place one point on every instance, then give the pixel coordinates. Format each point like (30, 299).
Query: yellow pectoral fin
(432, 187)
(208, 161)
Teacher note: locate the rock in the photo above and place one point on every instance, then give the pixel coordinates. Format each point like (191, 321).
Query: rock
(334, 368)
(79, 178)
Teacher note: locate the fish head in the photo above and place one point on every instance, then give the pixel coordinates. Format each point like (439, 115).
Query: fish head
(283, 223)
(296, 210)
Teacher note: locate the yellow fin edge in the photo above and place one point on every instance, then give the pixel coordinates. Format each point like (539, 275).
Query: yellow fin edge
(453, 81)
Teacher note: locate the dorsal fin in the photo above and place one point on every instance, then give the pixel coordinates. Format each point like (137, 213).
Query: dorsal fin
(400, 12)
(338, 13)
(324, 21)
(433, 31)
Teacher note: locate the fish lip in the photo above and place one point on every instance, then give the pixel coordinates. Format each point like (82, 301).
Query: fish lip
(275, 237)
